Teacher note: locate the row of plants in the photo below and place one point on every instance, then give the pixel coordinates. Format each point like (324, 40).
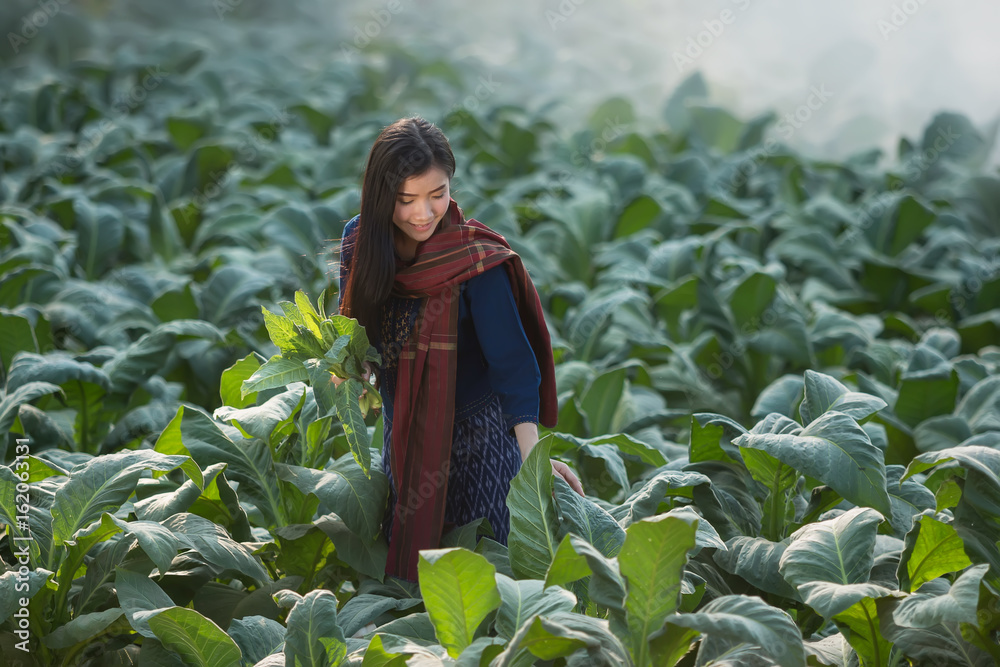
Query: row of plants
(787, 542)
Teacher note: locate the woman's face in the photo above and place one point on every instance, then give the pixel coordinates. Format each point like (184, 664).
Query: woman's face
(421, 203)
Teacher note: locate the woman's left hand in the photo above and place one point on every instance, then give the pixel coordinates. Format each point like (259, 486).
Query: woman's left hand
(561, 469)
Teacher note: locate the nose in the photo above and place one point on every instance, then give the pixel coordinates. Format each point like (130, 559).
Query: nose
(426, 214)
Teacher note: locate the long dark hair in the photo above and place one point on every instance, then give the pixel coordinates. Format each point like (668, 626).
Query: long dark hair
(408, 147)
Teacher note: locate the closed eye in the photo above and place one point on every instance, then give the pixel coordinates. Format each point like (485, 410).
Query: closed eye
(411, 201)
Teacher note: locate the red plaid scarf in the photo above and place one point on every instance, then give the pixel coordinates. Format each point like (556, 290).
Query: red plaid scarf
(424, 406)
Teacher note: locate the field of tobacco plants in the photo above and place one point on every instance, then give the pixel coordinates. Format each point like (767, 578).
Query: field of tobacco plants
(779, 377)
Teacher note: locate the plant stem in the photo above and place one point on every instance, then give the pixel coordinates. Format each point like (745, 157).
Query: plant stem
(65, 583)
(774, 514)
(84, 426)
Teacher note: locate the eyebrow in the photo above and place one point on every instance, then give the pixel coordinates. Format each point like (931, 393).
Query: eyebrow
(407, 194)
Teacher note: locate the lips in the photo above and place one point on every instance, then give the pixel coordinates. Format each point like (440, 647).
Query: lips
(422, 228)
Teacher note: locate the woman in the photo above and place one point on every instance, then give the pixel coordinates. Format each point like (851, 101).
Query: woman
(467, 370)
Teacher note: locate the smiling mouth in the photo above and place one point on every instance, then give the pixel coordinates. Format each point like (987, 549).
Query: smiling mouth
(422, 228)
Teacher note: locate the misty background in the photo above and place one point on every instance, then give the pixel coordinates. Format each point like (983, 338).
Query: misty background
(889, 66)
(886, 66)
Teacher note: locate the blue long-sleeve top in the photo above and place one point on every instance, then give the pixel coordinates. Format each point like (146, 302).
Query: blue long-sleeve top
(494, 355)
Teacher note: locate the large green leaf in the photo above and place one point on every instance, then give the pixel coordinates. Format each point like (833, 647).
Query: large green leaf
(908, 497)
(932, 548)
(293, 345)
(732, 620)
(705, 536)
(714, 127)
(276, 372)
(652, 561)
(159, 506)
(519, 600)
(257, 637)
(365, 608)
(979, 505)
(55, 367)
(86, 539)
(751, 297)
(670, 644)
(103, 484)
(215, 546)
(728, 502)
(624, 443)
(601, 399)
(602, 470)
(416, 626)
(367, 555)
(140, 598)
(578, 559)
(823, 393)
(979, 407)
(140, 360)
(835, 450)
(344, 489)
(582, 517)
(675, 111)
(778, 479)
(314, 637)
(665, 484)
(982, 460)
(158, 541)
(198, 641)
(958, 605)
(860, 625)
(942, 644)
(926, 393)
(830, 562)
(459, 589)
(830, 651)
(231, 291)
(82, 628)
(15, 398)
(231, 384)
(562, 634)
(481, 651)
(901, 226)
(533, 521)
(941, 432)
(756, 560)
(11, 589)
(16, 335)
(783, 396)
(258, 421)
(346, 398)
(389, 650)
(100, 232)
(249, 462)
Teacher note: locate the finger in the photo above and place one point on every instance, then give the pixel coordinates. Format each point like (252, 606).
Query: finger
(562, 470)
(573, 482)
(560, 475)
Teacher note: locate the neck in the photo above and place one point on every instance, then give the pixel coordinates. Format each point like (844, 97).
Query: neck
(405, 247)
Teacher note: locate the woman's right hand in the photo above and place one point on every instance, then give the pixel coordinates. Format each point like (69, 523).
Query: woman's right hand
(367, 371)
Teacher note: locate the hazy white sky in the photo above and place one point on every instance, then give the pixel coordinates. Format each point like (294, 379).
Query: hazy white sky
(890, 65)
